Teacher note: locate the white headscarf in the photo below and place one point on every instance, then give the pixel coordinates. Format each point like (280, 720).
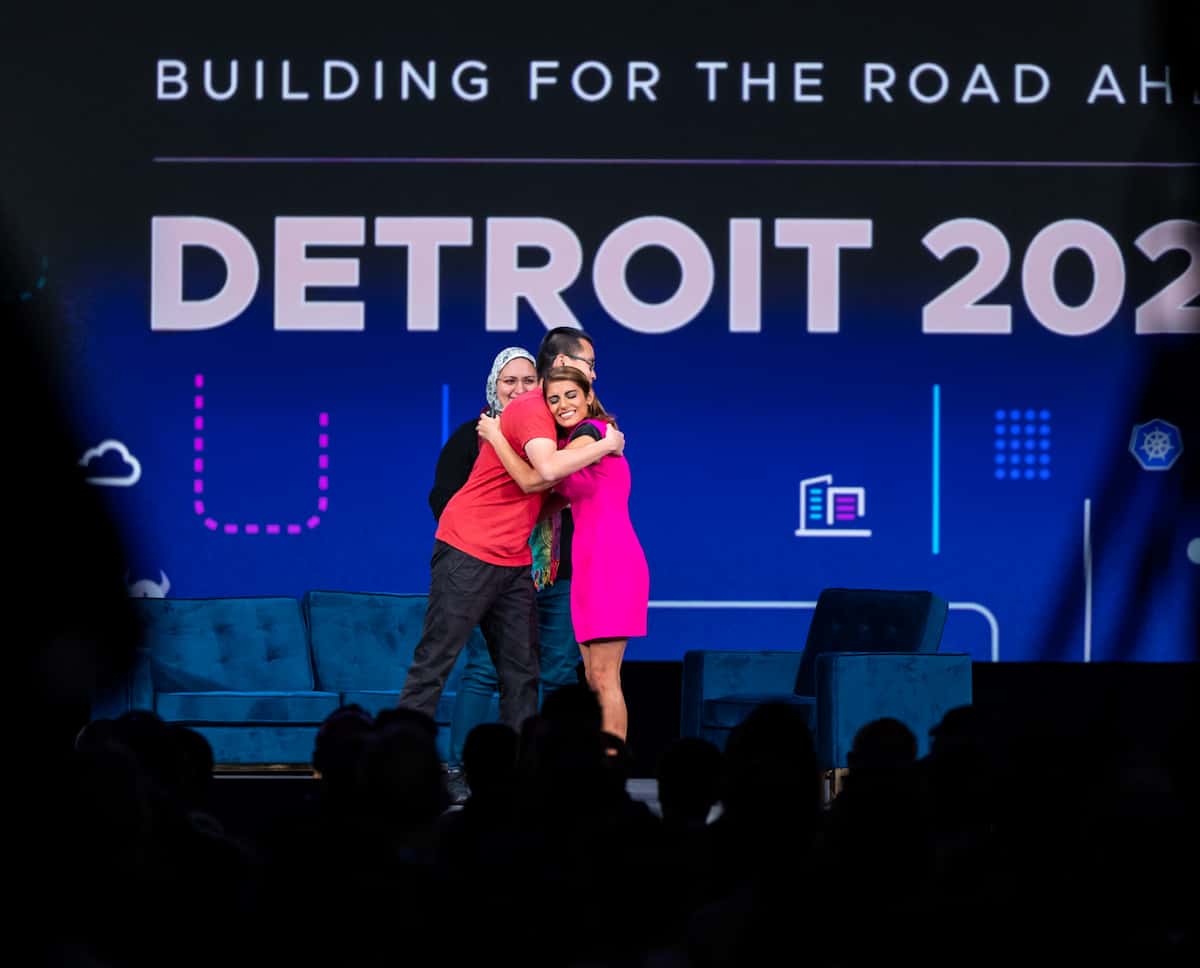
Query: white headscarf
(503, 358)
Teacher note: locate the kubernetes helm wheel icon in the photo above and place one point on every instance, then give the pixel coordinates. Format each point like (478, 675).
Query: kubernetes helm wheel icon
(1156, 444)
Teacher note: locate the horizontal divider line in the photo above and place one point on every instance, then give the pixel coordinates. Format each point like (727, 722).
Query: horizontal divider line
(712, 162)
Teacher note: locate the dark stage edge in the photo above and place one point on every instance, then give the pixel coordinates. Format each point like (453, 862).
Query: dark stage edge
(1142, 703)
(1138, 707)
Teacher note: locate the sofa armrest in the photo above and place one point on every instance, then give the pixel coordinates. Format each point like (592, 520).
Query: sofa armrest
(141, 682)
(856, 688)
(135, 690)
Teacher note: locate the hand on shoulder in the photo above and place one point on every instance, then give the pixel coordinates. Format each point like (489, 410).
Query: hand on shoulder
(615, 440)
(488, 428)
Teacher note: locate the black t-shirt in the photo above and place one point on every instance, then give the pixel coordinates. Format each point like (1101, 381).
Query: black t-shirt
(587, 429)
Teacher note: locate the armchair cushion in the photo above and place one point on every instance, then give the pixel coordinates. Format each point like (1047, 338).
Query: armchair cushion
(727, 712)
(730, 676)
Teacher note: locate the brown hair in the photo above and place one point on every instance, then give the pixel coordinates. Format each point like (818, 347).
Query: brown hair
(595, 409)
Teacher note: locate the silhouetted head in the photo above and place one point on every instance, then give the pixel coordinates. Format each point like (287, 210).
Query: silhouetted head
(689, 780)
(394, 715)
(959, 730)
(573, 707)
(566, 756)
(194, 764)
(111, 808)
(403, 785)
(771, 774)
(338, 750)
(490, 757)
(883, 744)
(146, 735)
(96, 735)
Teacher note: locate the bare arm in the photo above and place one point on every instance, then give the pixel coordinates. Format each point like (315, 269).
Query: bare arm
(553, 465)
(529, 480)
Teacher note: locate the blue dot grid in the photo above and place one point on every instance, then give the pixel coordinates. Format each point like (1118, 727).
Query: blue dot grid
(1021, 440)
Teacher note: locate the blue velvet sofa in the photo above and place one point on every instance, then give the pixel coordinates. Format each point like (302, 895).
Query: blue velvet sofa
(256, 676)
(869, 654)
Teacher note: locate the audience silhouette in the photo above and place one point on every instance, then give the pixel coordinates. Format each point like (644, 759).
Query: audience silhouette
(1038, 855)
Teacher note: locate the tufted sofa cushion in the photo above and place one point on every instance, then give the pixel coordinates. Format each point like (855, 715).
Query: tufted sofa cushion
(227, 644)
(363, 641)
(363, 644)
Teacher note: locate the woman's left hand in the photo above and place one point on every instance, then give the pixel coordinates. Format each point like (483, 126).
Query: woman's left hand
(488, 427)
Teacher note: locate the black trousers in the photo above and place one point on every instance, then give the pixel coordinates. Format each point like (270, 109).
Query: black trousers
(465, 592)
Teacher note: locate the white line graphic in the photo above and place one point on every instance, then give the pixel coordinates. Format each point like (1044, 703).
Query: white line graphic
(988, 615)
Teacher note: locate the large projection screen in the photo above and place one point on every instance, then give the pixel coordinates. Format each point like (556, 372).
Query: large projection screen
(880, 297)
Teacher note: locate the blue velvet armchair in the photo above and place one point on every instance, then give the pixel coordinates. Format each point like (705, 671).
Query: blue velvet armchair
(869, 654)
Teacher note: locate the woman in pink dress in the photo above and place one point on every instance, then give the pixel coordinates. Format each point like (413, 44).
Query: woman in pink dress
(610, 587)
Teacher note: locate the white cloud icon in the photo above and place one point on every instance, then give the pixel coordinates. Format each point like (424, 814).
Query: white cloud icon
(127, 459)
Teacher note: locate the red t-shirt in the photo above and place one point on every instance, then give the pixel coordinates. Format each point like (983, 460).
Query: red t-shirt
(490, 517)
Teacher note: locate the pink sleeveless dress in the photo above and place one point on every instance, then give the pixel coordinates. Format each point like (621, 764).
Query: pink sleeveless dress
(610, 583)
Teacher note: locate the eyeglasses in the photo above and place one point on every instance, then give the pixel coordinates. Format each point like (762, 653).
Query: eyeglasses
(590, 364)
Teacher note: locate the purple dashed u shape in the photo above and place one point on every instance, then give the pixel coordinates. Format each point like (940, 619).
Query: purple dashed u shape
(253, 528)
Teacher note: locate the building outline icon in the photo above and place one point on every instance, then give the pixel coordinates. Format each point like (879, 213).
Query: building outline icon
(823, 505)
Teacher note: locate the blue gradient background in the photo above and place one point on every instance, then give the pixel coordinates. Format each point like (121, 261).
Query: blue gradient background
(722, 427)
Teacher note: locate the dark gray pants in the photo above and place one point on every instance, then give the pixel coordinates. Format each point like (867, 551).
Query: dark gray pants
(465, 592)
